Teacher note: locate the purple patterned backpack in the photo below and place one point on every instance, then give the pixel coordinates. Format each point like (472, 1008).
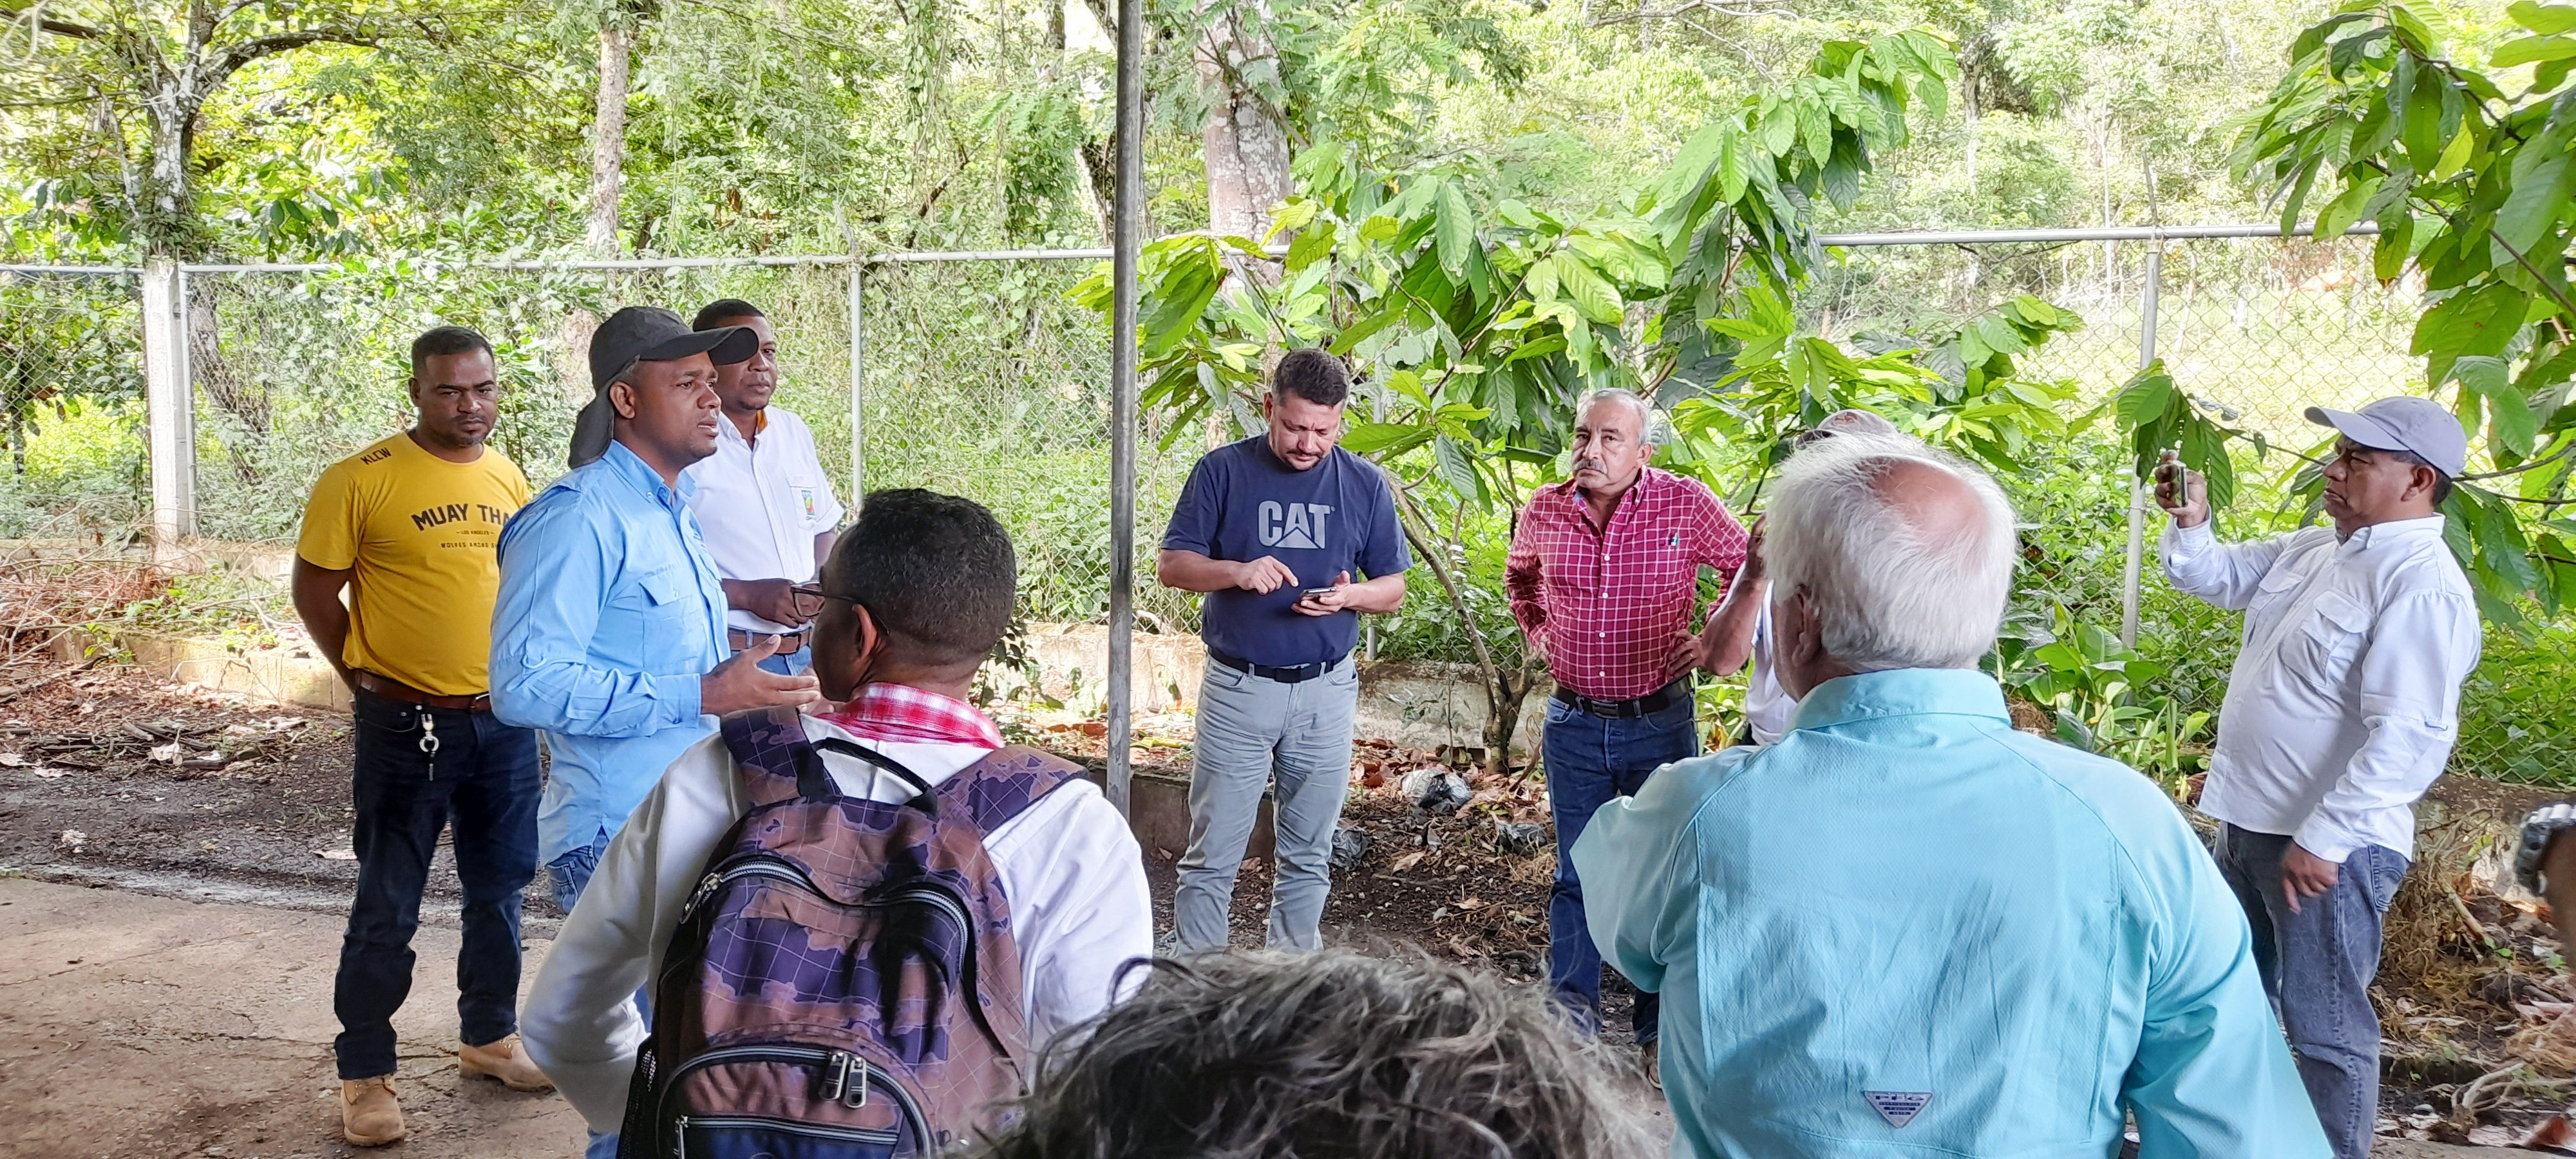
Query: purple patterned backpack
(843, 983)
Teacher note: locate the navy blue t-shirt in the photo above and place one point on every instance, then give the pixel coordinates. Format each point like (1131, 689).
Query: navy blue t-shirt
(1242, 503)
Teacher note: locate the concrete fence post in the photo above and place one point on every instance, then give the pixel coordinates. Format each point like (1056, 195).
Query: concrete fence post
(169, 407)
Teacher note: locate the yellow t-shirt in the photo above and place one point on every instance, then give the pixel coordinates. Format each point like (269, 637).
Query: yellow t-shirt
(420, 532)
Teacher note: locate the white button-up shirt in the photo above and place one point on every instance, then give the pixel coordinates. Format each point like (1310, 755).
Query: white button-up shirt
(2344, 702)
(760, 506)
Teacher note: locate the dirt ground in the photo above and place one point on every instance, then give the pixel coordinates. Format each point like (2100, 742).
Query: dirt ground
(250, 808)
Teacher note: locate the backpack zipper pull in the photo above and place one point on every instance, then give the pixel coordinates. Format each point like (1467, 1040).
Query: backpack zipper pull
(838, 1087)
(698, 897)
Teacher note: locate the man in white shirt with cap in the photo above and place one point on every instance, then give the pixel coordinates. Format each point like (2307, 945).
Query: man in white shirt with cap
(2340, 712)
(763, 501)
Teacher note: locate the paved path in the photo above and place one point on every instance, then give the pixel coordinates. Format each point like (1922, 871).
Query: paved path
(147, 1026)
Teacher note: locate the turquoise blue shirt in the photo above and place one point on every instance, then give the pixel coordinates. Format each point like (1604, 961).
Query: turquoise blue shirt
(610, 610)
(1908, 930)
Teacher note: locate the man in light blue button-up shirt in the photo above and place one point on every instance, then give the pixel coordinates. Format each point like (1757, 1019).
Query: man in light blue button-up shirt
(1907, 929)
(609, 629)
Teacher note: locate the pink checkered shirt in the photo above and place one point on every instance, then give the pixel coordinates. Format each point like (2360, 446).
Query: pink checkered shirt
(904, 714)
(1607, 607)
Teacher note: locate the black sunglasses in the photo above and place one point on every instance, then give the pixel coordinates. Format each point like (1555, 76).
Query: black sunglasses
(810, 598)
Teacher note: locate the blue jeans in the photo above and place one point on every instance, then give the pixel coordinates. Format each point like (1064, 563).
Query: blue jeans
(1589, 760)
(484, 777)
(2317, 965)
(792, 663)
(570, 874)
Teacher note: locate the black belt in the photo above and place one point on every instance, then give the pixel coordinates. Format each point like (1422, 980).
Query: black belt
(1295, 675)
(1647, 705)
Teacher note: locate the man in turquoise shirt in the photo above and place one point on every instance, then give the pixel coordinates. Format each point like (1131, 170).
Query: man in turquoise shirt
(1906, 928)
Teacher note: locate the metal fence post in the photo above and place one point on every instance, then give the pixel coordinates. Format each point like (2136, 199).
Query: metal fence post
(858, 384)
(1129, 204)
(2130, 568)
(170, 435)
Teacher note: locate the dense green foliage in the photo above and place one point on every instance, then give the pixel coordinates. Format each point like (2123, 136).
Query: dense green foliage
(1496, 205)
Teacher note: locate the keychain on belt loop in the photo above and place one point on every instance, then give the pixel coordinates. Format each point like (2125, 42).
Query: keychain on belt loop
(429, 741)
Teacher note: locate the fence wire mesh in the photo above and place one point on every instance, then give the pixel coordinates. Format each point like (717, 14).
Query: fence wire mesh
(295, 371)
(981, 379)
(71, 402)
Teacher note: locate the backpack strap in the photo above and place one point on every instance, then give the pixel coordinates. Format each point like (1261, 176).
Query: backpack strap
(778, 763)
(1005, 783)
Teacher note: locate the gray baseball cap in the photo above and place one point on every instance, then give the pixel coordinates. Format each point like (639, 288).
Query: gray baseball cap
(644, 334)
(2403, 423)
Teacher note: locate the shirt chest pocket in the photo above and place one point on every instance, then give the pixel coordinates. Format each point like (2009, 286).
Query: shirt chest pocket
(665, 596)
(2322, 650)
(804, 496)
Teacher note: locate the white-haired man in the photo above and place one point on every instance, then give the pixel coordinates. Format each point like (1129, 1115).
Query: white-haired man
(1906, 928)
(1741, 629)
(1602, 574)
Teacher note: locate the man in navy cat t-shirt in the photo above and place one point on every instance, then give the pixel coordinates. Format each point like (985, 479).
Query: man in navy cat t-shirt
(1273, 529)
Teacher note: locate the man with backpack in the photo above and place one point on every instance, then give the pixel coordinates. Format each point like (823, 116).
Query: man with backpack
(889, 868)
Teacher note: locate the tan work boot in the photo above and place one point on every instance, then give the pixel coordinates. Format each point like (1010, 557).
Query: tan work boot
(502, 1060)
(1653, 1061)
(369, 1116)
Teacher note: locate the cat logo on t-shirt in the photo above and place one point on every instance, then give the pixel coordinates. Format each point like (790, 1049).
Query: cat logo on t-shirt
(1293, 525)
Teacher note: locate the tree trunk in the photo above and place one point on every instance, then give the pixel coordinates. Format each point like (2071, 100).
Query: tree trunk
(608, 136)
(1088, 163)
(168, 201)
(1246, 146)
(246, 406)
(1505, 693)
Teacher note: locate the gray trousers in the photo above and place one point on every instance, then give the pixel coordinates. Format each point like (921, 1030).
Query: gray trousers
(2317, 964)
(1247, 728)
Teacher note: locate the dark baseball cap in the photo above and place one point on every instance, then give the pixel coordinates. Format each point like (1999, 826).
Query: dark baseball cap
(2404, 423)
(644, 334)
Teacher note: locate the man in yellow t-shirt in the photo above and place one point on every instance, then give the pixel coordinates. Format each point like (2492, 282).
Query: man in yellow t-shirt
(408, 526)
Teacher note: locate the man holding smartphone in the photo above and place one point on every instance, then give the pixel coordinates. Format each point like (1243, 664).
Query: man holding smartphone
(2340, 712)
(1272, 528)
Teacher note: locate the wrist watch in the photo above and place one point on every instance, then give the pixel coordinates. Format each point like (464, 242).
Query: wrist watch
(2543, 824)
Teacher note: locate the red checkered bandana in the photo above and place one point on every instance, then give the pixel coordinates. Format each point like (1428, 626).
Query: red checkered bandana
(902, 714)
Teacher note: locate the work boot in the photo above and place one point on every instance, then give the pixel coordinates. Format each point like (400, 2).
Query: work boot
(1651, 1059)
(502, 1060)
(369, 1116)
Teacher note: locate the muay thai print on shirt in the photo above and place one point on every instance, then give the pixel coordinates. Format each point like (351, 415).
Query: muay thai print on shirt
(419, 531)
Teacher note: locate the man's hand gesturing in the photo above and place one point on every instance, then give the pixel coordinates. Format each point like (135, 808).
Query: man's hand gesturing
(1264, 575)
(741, 684)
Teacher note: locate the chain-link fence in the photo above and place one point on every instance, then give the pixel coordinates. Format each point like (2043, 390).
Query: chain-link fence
(982, 379)
(71, 401)
(295, 370)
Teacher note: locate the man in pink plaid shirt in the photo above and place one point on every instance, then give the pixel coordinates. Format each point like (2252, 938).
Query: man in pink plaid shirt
(1602, 576)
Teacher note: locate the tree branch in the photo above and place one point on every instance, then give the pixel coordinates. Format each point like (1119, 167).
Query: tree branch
(57, 27)
(228, 60)
(1759, 8)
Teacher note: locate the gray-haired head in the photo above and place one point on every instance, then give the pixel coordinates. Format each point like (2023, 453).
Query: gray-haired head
(1848, 421)
(1651, 430)
(1335, 1053)
(1904, 553)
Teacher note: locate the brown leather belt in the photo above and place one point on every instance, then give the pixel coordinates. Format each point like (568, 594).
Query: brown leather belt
(392, 689)
(787, 641)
